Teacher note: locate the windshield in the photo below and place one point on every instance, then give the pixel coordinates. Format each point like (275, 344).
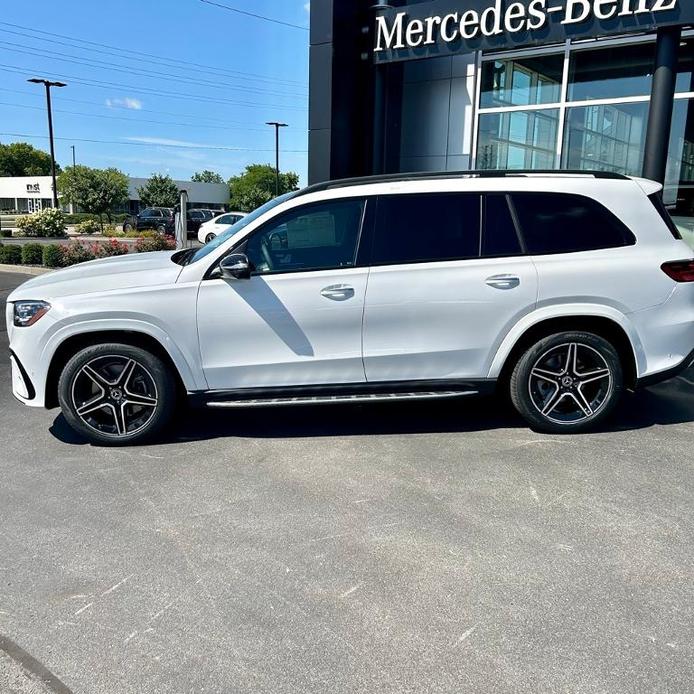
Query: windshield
(235, 228)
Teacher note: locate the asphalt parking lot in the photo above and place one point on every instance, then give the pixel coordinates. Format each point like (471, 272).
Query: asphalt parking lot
(402, 548)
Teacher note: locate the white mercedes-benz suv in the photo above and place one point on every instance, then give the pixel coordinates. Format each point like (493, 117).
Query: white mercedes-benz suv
(563, 288)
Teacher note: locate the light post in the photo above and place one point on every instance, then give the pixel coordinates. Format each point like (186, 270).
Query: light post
(277, 127)
(74, 163)
(48, 86)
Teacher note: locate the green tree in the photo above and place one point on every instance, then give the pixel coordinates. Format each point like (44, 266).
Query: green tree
(206, 176)
(256, 185)
(159, 191)
(97, 191)
(21, 159)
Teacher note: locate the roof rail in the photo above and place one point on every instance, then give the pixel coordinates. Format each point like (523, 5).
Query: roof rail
(437, 175)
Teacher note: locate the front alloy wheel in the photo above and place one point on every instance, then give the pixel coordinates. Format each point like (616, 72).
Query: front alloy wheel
(210, 237)
(567, 383)
(116, 394)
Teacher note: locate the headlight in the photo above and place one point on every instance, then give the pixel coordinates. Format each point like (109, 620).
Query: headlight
(27, 313)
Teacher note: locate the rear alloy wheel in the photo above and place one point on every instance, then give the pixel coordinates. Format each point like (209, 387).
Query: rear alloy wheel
(567, 383)
(116, 394)
(210, 237)
(127, 227)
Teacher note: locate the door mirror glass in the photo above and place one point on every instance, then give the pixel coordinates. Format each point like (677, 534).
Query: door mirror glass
(235, 267)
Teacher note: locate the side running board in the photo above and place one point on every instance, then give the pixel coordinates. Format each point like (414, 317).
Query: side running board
(340, 399)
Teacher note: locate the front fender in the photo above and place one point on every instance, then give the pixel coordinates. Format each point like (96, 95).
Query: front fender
(578, 310)
(183, 356)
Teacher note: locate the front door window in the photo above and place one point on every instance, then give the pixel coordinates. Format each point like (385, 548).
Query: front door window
(323, 236)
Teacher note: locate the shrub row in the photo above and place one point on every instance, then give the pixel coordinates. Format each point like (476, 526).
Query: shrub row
(79, 217)
(63, 255)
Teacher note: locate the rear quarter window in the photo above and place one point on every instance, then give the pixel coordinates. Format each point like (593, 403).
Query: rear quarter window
(560, 223)
(659, 205)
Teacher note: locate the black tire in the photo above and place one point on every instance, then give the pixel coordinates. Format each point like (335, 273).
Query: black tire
(560, 391)
(161, 229)
(126, 408)
(210, 237)
(127, 227)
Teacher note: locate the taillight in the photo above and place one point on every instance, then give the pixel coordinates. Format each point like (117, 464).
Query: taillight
(680, 270)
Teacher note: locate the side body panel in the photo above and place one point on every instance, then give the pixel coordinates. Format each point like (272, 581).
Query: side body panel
(281, 330)
(441, 320)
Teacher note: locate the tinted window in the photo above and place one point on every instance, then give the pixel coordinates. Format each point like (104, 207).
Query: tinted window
(426, 228)
(500, 237)
(556, 223)
(315, 237)
(228, 233)
(657, 201)
(226, 219)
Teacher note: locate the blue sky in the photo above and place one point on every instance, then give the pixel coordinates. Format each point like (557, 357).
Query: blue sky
(135, 85)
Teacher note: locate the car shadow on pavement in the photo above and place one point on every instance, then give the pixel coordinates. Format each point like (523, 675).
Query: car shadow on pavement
(666, 404)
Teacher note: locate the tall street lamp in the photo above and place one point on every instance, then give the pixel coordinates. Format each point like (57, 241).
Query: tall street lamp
(48, 86)
(277, 127)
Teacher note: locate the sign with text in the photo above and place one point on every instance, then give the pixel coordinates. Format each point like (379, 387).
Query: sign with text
(445, 27)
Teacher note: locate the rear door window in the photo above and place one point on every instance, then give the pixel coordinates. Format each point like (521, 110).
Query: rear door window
(561, 223)
(426, 228)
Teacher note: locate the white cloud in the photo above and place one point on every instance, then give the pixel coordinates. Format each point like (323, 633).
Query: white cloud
(166, 142)
(127, 102)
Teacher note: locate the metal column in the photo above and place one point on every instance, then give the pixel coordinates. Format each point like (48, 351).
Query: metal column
(662, 104)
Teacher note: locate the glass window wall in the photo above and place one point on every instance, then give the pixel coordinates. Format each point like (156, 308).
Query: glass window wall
(524, 123)
(606, 138)
(611, 73)
(679, 185)
(518, 140)
(522, 81)
(685, 68)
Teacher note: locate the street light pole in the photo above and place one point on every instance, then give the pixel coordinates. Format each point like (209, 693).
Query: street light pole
(74, 163)
(277, 127)
(48, 86)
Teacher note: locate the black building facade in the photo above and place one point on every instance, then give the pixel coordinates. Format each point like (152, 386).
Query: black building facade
(435, 85)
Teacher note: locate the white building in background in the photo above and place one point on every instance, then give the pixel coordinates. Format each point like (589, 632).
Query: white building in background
(34, 193)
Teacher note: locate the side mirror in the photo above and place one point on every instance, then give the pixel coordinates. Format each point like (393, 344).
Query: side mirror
(235, 267)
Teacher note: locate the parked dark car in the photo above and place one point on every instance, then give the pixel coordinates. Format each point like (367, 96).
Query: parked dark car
(159, 219)
(196, 218)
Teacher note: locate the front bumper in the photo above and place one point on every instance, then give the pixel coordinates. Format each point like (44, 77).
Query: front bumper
(22, 387)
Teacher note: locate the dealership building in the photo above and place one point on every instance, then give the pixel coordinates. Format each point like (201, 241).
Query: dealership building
(34, 193)
(455, 85)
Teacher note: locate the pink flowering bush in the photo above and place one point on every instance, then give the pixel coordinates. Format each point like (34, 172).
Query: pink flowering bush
(108, 249)
(158, 242)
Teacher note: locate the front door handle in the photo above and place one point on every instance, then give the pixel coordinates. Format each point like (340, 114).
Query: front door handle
(338, 292)
(503, 282)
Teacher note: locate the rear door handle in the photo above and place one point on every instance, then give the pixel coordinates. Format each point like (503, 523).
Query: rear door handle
(503, 282)
(338, 292)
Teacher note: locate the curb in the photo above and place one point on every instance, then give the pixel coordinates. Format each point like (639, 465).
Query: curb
(25, 269)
